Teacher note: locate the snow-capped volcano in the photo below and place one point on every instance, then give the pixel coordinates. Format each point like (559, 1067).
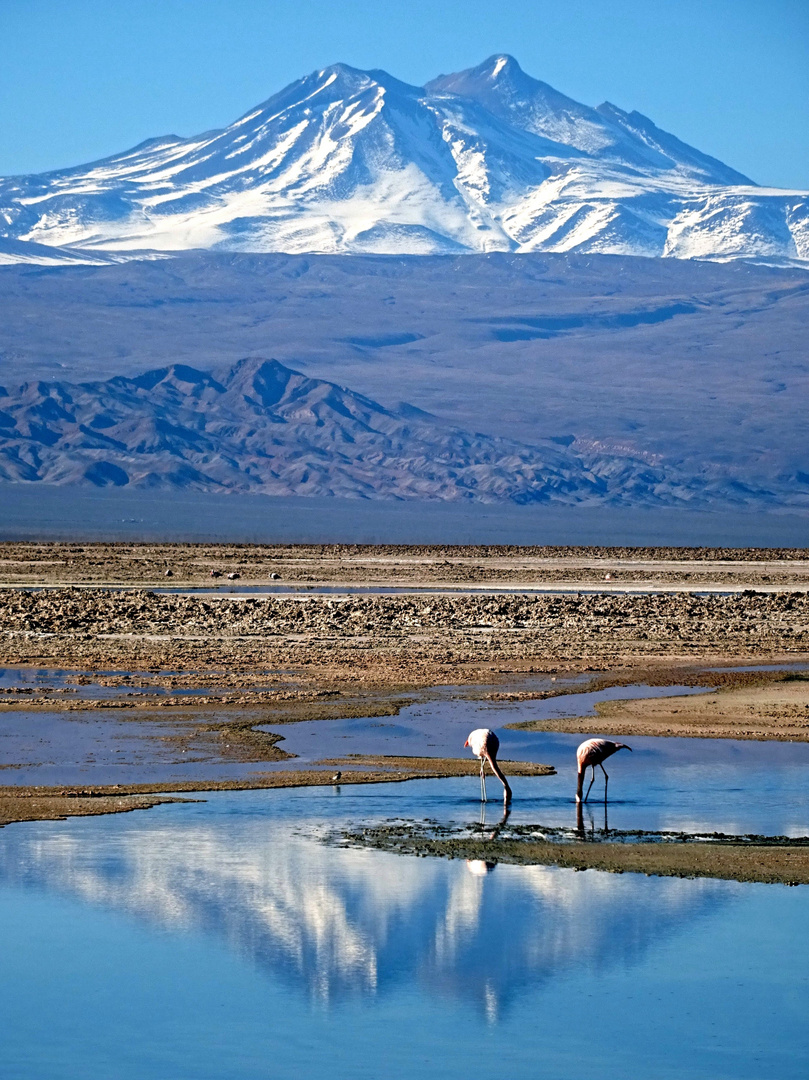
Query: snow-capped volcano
(353, 161)
(606, 133)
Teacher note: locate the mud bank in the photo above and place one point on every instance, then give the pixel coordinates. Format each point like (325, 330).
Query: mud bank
(762, 859)
(779, 709)
(56, 803)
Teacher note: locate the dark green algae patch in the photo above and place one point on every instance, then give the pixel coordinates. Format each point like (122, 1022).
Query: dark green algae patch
(747, 858)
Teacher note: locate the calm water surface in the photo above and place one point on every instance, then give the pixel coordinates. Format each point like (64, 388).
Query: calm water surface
(90, 684)
(223, 939)
(717, 785)
(696, 785)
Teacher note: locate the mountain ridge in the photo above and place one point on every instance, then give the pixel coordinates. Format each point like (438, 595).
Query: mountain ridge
(350, 161)
(259, 426)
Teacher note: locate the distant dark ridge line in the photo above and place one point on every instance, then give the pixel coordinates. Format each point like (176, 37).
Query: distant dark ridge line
(260, 426)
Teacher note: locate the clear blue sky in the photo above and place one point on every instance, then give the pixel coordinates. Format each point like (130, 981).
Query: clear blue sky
(80, 79)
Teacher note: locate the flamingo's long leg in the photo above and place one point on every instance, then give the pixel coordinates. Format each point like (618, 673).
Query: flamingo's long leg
(591, 784)
(483, 780)
(606, 779)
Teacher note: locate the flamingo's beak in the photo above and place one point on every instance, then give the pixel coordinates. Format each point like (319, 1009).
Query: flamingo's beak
(466, 743)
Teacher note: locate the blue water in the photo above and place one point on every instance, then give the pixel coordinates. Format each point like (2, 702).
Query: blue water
(697, 785)
(85, 684)
(715, 785)
(224, 940)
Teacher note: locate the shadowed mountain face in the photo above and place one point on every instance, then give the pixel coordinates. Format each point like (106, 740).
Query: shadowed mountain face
(261, 427)
(348, 161)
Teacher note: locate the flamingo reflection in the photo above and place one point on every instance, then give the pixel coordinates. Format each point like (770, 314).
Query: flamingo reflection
(580, 827)
(481, 867)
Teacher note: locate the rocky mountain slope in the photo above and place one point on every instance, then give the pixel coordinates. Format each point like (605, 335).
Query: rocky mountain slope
(261, 427)
(349, 161)
(698, 361)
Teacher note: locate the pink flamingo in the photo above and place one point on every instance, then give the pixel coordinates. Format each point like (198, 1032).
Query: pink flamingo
(592, 753)
(484, 744)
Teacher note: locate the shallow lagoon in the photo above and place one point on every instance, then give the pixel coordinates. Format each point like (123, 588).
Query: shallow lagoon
(722, 785)
(224, 939)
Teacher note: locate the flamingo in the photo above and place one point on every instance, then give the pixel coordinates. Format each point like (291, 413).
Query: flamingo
(485, 744)
(592, 753)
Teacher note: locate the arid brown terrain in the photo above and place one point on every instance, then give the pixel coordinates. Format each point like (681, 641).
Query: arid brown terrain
(146, 565)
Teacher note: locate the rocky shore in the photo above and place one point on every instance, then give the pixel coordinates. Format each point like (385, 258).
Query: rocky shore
(387, 641)
(765, 859)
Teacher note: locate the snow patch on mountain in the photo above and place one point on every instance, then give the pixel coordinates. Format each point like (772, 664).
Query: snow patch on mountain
(13, 252)
(348, 161)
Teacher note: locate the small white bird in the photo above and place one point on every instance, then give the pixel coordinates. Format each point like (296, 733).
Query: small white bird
(484, 744)
(336, 777)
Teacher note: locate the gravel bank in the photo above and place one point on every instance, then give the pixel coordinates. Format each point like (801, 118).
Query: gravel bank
(129, 564)
(397, 640)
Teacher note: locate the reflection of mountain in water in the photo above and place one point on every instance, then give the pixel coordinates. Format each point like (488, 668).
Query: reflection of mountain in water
(345, 922)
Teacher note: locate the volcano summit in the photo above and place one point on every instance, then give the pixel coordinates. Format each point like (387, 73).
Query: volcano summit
(348, 161)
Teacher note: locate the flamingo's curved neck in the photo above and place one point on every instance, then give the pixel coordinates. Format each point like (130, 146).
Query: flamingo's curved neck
(498, 772)
(580, 783)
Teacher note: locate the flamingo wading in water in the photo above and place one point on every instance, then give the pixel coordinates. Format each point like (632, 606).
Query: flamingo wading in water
(591, 753)
(484, 744)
